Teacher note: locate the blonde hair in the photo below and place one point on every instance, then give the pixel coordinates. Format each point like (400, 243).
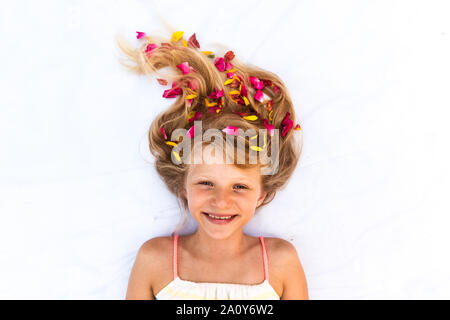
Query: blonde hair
(208, 77)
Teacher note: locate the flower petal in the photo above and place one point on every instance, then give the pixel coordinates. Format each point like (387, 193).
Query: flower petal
(185, 43)
(172, 93)
(251, 118)
(150, 47)
(229, 56)
(286, 124)
(162, 82)
(259, 96)
(228, 66)
(171, 143)
(163, 132)
(191, 132)
(140, 35)
(176, 36)
(193, 41)
(269, 127)
(231, 130)
(207, 53)
(298, 127)
(177, 156)
(184, 67)
(220, 64)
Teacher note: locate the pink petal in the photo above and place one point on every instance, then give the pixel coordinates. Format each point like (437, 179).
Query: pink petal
(150, 47)
(228, 66)
(184, 67)
(193, 84)
(197, 115)
(172, 93)
(269, 127)
(259, 96)
(163, 132)
(287, 124)
(231, 130)
(140, 35)
(191, 132)
(220, 64)
(230, 75)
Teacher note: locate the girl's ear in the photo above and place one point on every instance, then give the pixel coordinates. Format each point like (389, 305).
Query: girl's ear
(261, 198)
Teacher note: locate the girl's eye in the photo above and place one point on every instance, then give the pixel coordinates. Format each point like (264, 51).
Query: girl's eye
(238, 186)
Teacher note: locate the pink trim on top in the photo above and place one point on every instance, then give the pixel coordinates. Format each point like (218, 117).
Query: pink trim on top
(175, 258)
(263, 247)
(265, 259)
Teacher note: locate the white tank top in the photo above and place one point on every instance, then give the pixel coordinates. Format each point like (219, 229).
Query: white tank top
(179, 289)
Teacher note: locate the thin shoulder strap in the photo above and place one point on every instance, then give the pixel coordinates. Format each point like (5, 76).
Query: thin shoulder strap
(265, 259)
(175, 256)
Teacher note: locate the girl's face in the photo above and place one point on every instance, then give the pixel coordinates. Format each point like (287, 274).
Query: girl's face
(225, 190)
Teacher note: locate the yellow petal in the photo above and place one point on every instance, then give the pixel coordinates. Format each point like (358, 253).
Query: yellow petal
(228, 82)
(191, 114)
(170, 143)
(255, 148)
(270, 115)
(177, 36)
(207, 53)
(232, 70)
(234, 92)
(176, 155)
(254, 137)
(210, 104)
(185, 43)
(246, 101)
(251, 118)
(191, 96)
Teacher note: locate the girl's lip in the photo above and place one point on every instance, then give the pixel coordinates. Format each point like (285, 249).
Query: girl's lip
(219, 215)
(219, 221)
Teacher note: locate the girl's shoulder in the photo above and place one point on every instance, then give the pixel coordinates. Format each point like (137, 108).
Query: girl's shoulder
(281, 252)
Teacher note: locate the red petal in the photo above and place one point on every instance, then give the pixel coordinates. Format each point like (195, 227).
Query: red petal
(276, 89)
(193, 42)
(162, 82)
(287, 124)
(244, 91)
(229, 56)
(267, 83)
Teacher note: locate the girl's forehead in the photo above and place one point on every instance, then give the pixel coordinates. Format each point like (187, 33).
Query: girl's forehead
(222, 171)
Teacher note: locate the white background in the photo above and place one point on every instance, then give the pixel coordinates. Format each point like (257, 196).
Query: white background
(367, 207)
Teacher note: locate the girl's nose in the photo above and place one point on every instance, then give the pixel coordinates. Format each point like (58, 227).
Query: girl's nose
(221, 199)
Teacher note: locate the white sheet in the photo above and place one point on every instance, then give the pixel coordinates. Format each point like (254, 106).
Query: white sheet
(366, 208)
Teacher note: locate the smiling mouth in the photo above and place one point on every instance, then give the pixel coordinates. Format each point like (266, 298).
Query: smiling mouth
(219, 217)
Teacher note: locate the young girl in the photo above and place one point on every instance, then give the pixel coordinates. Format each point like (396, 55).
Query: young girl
(217, 261)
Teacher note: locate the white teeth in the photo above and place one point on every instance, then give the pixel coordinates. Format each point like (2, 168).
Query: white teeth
(220, 218)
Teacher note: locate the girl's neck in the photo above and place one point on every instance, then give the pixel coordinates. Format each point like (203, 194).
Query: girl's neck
(213, 250)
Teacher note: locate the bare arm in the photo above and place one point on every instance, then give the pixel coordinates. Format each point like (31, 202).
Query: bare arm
(294, 281)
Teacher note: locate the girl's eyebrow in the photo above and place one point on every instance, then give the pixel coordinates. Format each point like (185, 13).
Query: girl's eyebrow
(238, 179)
